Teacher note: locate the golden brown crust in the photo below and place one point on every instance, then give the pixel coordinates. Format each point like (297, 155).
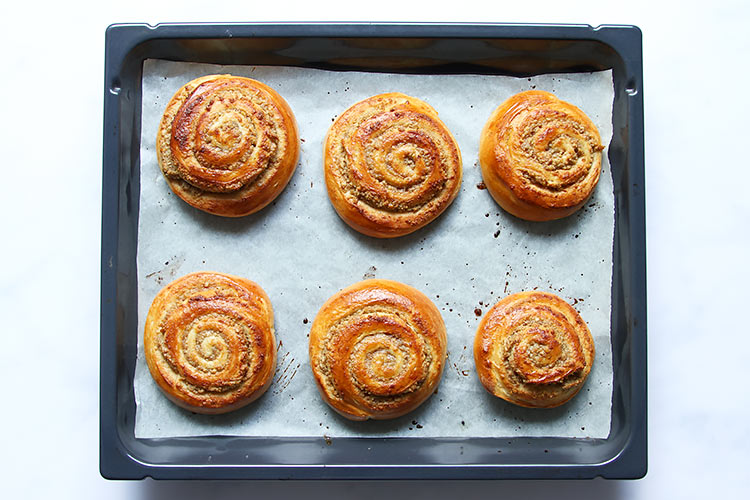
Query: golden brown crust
(533, 349)
(209, 342)
(227, 145)
(391, 165)
(540, 156)
(377, 349)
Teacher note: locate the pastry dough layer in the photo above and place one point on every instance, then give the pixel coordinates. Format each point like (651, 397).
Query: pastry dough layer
(533, 349)
(391, 165)
(540, 156)
(227, 145)
(209, 342)
(377, 349)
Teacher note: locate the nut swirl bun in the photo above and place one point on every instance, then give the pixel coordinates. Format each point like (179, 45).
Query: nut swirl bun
(209, 342)
(391, 165)
(377, 349)
(533, 349)
(227, 145)
(540, 156)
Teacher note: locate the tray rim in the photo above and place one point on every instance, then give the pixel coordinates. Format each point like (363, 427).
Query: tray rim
(117, 461)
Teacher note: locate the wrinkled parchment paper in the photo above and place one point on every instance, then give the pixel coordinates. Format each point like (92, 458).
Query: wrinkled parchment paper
(301, 253)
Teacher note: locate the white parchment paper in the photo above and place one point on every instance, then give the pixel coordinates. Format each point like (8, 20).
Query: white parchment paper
(301, 253)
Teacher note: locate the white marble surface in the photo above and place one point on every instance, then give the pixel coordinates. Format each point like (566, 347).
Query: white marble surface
(695, 58)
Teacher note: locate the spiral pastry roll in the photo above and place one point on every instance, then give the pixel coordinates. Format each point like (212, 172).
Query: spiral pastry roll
(227, 145)
(533, 349)
(391, 165)
(209, 342)
(377, 350)
(540, 156)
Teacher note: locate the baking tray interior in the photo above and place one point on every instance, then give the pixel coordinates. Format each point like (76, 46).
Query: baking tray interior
(477, 49)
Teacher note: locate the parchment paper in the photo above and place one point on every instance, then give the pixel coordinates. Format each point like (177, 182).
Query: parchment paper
(301, 253)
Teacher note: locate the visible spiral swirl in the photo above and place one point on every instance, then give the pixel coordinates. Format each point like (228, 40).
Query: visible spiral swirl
(540, 156)
(209, 342)
(533, 349)
(377, 350)
(391, 165)
(227, 145)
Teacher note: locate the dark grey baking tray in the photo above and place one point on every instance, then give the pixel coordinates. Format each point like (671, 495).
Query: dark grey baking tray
(424, 48)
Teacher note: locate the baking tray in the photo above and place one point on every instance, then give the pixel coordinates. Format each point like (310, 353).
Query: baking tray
(517, 50)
